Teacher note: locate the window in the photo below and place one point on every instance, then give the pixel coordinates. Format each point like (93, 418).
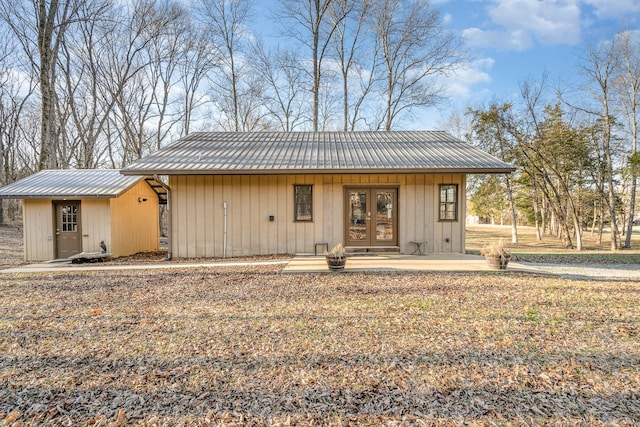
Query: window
(448, 202)
(302, 202)
(69, 218)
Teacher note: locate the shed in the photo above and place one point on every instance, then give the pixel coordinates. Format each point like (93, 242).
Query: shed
(260, 193)
(66, 212)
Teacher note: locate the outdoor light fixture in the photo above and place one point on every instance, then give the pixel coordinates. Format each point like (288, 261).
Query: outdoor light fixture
(142, 199)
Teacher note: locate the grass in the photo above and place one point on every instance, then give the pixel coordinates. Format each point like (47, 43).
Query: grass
(550, 249)
(251, 346)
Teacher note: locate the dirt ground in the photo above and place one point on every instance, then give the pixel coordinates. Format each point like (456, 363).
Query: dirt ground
(239, 346)
(11, 246)
(250, 346)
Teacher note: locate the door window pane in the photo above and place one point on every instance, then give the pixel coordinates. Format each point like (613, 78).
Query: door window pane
(69, 215)
(384, 215)
(357, 215)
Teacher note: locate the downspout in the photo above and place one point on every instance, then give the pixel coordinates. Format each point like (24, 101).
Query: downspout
(169, 218)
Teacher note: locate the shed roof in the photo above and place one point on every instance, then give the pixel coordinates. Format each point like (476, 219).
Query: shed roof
(317, 152)
(80, 183)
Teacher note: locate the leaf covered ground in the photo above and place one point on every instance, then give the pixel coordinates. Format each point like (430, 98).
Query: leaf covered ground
(252, 346)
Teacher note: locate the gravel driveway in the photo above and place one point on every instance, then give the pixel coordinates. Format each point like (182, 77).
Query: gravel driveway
(593, 271)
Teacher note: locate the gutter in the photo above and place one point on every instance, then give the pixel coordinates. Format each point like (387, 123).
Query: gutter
(395, 171)
(169, 218)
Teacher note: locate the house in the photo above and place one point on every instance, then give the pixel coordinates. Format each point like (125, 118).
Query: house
(259, 193)
(66, 212)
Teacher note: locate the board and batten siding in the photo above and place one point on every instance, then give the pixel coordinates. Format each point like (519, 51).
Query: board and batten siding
(95, 222)
(134, 222)
(39, 223)
(198, 213)
(126, 225)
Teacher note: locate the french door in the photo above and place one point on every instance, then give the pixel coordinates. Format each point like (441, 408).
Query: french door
(371, 216)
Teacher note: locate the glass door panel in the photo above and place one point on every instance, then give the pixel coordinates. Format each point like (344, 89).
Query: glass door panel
(371, 217)
(357, 216)
(385, 216)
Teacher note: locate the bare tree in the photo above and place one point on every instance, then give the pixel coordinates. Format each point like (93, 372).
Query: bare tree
(283, 92)
(599, 66)
(226, 21)
(312, 25)
(40, 25)
(416, 48)
(357, 56)
(131, 84)
(83, 87)
(198, 60)
(627, 86)
(16, 90)
(167, 52)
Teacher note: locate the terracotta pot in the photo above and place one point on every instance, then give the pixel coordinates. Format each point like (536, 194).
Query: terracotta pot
(336, 263)
(497, 262)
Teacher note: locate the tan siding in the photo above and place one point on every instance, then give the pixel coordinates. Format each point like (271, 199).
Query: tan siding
(451, 230)
(207, 227)
(284, 215)
(218, 216)
(256, 214)
(407, 208)
(134, 224)
(96, 224)
(198, 225)
(192, 229)
(430, 218)
(38, 230)
(200, 220)
(463, 213)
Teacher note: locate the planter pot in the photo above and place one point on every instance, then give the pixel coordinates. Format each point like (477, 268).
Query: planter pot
(497, 262)
(336, 263)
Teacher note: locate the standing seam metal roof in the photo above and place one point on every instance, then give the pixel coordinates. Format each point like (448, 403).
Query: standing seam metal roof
(80, 183)
(317, 152)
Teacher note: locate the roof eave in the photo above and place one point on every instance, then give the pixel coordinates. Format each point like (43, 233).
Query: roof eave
(479, 170)
(59, 196)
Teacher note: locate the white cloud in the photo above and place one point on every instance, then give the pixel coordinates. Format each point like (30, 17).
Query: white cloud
(516, 24)
(498, 39)
(615, 9)
(467, 75)
(550, 21)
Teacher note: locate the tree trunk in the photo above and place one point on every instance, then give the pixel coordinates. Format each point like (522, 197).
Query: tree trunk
(512, 209)
(632, 213)
(536, 213)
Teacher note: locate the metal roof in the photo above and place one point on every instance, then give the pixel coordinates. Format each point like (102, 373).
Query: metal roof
(80, 183)
(317, 152)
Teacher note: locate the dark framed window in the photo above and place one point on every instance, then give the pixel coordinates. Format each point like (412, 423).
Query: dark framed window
(448, 202)
(303, 202)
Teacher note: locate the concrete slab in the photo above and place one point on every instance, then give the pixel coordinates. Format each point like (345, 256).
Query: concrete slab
(382, 262)
(66, 266)
(444, 262)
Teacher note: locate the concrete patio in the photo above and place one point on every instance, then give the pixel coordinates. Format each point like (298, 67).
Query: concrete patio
(383, 262)
(301, 264)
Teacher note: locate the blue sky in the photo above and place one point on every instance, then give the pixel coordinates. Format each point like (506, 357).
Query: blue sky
(513, 40)
(510, 41)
